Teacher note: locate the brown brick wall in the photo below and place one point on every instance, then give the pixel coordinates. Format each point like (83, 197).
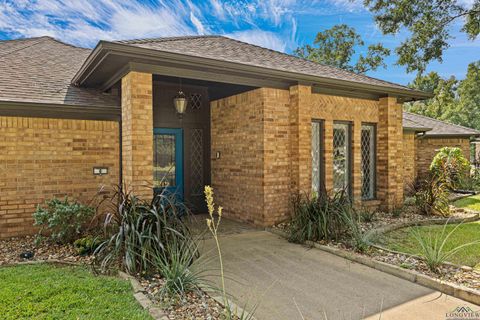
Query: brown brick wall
(426, 148)
(264, 137)
(45, 158)
(238, 176)
(409, 165)
(137, 133)
(356, 111)
(390, 153)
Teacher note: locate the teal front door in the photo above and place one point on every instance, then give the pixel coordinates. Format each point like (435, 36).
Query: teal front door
(168, 161)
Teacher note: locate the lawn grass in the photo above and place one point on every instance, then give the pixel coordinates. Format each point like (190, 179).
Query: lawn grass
(403, 240)
(44, 291)
(472, 203)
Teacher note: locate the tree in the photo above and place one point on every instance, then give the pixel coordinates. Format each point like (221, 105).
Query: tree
(444, 100)
(336, 47)
(430, 23)
(454, 101)
(469, 95)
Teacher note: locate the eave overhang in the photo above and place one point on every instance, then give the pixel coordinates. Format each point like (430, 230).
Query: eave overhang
(110, 61)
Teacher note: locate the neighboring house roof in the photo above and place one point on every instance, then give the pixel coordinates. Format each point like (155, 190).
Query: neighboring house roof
(433, 127)
(40, 70)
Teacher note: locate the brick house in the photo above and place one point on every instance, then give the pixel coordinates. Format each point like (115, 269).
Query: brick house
(424, 136)
(259, 126)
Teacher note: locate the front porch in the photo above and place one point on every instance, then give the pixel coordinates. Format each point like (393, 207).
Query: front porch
(255, 145)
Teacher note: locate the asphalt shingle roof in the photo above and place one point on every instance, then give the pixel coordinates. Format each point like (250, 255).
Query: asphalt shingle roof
(40, 70)
(230, 50)
(437, 127)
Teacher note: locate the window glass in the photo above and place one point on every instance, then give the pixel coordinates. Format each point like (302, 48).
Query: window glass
(316, 160)
(368, 161)
(164, 160)
(341, 157)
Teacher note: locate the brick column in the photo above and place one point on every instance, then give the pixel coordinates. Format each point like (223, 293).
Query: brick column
(357, 161)
(137, 133)
(390, 153)
(328, 154)
(300, 138)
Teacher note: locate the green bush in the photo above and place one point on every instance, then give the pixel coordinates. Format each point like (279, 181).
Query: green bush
(450, 164)
(325, 218)
(137, 231)
(87, 245)
(432, 197)
(62, 221)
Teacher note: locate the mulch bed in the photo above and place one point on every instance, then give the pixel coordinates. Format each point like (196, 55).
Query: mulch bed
(195, 305)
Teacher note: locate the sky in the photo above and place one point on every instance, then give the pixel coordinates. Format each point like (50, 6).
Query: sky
(281, 25)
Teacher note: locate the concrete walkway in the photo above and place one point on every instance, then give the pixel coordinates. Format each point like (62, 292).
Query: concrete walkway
(290, 281)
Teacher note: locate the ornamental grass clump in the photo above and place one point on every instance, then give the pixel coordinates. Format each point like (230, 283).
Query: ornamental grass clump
(433, 246)
(139, 231)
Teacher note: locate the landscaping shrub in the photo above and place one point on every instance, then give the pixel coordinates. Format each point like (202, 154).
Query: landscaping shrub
(138, 231)
(87, 245)
(471, 182)
(432, 198)
(450, 164)
(179, 267)
(325, 218)
(62, 221)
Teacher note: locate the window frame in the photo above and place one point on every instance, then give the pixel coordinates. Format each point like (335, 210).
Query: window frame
(374, 162)
(321, 151)
(349, 125)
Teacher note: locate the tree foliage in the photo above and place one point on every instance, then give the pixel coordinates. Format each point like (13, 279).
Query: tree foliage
(430, 24)
(337, 47)
(455, 101)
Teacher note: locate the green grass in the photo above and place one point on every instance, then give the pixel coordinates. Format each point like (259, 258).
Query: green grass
(50, 292)
(404, 241)
(472, 203)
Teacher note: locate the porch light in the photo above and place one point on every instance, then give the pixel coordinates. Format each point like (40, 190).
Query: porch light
(180, 103)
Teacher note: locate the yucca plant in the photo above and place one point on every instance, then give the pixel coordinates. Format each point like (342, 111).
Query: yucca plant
(433, 244)
(138, 230)
(180, 267)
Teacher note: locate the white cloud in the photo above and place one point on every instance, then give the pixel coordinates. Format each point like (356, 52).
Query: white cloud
(85, 22)
(261, 38)
(349, 5)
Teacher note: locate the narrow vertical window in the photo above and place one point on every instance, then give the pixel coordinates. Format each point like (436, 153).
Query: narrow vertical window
(316, 156)
(341, 157)
(368, 161)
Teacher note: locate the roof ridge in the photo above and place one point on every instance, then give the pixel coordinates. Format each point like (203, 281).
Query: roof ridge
(438, 120)
(28, 45)
(322, 64)
(164, 39)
